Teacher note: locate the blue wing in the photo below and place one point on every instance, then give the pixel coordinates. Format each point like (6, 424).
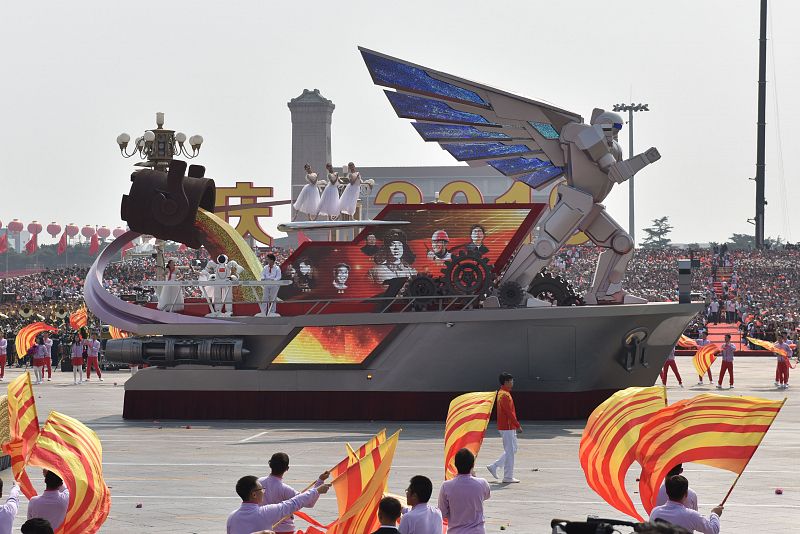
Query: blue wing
(475, 123)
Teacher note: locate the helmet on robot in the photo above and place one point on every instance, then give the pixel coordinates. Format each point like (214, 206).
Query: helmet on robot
(610, 122)
(222, 258)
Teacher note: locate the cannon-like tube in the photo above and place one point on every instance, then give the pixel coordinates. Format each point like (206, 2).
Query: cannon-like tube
(171, 351)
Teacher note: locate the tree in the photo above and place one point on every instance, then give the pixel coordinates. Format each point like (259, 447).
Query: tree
(657, 234)
(741, 241)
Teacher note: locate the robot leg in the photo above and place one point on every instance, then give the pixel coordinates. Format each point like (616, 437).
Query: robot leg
(557, 227)
(606, 286)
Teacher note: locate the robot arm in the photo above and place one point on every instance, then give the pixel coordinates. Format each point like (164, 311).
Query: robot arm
(235, 269)
(624, 170)
(211, 269)
(593, 142)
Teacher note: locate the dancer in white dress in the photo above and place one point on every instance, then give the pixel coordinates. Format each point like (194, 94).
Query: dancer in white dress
(329, 203)
(349, 199)
(308, 200)
(171, 297)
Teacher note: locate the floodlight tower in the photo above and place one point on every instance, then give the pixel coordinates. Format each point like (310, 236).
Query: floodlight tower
(631, 108)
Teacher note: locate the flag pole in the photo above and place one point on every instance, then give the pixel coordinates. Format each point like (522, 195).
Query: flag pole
(751, 456)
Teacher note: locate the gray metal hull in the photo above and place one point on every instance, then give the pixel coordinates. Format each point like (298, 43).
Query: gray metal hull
(565, 361)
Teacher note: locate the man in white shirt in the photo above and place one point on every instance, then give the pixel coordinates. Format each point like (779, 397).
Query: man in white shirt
(675, 512)
(8, 511)
(93, 358)
(691, 497)
(48, 348)
(714, 309)
(251, 516)
(421, 518)
(52, 503)
(270, 272)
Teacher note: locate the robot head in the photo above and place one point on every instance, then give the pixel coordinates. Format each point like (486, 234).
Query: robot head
(610, 122)
(222, 259)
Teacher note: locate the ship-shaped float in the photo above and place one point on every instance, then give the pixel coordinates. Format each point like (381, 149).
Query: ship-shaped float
(389, 325)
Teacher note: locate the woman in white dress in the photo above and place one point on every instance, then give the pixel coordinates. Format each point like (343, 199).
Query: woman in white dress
(171, 297)
(351, 193)
(308, 200)
(329, 203)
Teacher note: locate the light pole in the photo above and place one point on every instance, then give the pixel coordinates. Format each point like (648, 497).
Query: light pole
(157, 147)
(630, 108)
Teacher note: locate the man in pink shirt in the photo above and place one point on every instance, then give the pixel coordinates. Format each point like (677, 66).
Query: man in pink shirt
(461, 498)
(93, 346)
(421, 518)
(251, 516)
(670, 364)
(276, 491)
(675, 511)
(52, 504)
(728, 350)
(691, 497)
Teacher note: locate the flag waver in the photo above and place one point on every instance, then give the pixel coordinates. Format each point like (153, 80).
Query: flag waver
(686, 342)
(26, 336)
(465, 427)
(772, 347)
(79, 318)
(23, 429)
(713, 430)
(360, 514)
(609, 441)
(73, 451)
(704, 357)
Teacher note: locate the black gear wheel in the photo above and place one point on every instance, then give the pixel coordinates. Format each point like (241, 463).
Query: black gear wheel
(423, 287)
(467, 274)
(510, 294)
(553, 288)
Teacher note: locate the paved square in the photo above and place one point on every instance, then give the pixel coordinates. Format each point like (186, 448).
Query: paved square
(184, 477)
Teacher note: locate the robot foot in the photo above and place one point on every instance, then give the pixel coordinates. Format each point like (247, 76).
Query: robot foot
(620, 297)
(212, 314)
(261, 314)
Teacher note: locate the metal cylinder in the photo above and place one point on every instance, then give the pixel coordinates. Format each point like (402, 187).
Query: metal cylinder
(170, 351)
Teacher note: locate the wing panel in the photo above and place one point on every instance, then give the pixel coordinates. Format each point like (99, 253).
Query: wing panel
(510, 167)
(399, 75)
(540, 177)
(417, 107)
(468, 151)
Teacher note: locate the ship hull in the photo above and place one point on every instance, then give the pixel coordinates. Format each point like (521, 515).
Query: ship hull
(565, 362)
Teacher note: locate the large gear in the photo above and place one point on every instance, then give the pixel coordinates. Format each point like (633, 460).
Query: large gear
(554, 289)
(467, 274)
(423, 287)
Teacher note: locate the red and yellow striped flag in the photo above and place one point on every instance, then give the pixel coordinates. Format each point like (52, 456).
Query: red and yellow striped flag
(704, 357)
(465, 427)
(772, 347)
(352, 456)
(363, 485)
(685, 342)
(73, 451)
(609, 440)
(116, 333)
(714, 430)
(79, 318)
(26, 336)
(24, 429)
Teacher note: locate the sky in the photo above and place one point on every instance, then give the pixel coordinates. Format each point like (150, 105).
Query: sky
(76, 74)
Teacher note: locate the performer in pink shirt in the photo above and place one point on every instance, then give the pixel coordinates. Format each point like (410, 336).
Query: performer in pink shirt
(670, 364)
(3, 354)
(48, 347)
(421, 518)
(728, 349)
(678, 514)
(461, 498)
(251, 516)
(53, 503)
(276, 491)
(93, 359)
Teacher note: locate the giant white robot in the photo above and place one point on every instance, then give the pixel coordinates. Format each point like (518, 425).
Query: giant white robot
(534, 143)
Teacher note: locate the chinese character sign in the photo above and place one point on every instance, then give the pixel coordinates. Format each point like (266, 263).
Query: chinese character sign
(248, 217)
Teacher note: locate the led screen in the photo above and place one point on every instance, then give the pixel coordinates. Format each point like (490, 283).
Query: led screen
(333, 345)
(436, 233)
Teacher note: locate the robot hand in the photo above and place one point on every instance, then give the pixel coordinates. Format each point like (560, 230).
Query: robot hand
(233, 277)
(624, 170)
(212, 276)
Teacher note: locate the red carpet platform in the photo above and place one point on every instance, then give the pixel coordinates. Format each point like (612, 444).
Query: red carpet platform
(716, 334)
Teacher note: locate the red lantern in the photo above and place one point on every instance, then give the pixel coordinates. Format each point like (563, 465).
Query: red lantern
(87, 231)
(34, 228)
(103, 232)
(72, 229)
(15, 226)
(53, 229)
(118, 232)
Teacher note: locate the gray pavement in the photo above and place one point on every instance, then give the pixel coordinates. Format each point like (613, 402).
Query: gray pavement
(183, 472)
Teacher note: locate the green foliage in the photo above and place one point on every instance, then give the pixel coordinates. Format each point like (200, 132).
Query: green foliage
(657, 234)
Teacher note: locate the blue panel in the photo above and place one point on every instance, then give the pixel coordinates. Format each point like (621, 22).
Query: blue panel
(417, 107)
(545, 129)
(541, 176)
(395, 74)
(517, 165)
(435, 132)
(466, 151)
